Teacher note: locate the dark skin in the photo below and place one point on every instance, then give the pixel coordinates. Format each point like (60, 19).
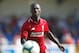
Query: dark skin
(54, 39)
(36, 10)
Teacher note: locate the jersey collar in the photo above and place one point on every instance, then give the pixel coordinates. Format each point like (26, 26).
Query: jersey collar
(31, 20)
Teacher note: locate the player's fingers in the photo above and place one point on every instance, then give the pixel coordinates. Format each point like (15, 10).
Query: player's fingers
(63, 49)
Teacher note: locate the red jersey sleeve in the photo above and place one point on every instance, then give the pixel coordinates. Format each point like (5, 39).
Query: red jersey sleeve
(46, 29)
(24, 32)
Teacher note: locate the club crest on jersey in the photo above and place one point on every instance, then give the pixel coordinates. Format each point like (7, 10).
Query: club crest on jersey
(33, 28)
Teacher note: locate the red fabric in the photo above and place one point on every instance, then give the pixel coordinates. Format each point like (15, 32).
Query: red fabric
(25, 33)
(31, 28)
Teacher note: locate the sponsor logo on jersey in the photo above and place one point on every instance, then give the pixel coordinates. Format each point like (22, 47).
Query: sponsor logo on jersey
(36, 34)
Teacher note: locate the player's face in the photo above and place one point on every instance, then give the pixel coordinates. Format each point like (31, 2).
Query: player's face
(36, 10)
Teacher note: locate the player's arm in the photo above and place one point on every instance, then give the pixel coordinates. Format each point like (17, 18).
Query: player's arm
(50, 35)
(23, 41)
(54, 39)
(24, 34)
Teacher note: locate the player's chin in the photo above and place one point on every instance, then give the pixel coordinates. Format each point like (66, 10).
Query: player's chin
(37, 14)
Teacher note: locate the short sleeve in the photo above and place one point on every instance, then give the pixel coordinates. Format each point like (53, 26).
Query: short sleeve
(24, 32)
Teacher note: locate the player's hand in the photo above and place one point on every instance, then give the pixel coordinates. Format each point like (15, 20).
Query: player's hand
(61, 48)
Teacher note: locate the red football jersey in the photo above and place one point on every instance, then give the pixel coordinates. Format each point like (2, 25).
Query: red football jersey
(32, 30)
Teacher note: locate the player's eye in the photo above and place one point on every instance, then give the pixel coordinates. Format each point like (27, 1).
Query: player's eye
(36, 8)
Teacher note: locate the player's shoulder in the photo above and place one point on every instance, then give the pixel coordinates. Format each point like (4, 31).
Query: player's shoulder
(27, 21)
(43, 20)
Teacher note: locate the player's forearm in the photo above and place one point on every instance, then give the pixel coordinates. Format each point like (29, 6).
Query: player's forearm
(22, 40)
(53, 38)
(24, 35)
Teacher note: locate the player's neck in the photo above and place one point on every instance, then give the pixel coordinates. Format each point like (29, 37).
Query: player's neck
(35, 18)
